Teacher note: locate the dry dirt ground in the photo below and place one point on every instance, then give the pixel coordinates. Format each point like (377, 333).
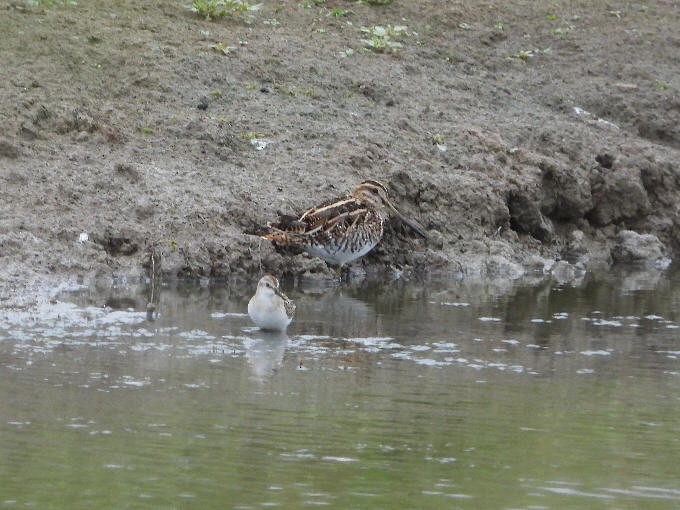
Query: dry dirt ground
(517, 132)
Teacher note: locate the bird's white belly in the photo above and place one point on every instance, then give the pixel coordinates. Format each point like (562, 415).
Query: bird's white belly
(272, 318)
(337, 255)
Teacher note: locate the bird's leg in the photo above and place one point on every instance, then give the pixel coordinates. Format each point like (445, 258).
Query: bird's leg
(343, 273)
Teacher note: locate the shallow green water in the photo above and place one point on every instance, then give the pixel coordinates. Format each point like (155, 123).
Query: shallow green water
(443, 394)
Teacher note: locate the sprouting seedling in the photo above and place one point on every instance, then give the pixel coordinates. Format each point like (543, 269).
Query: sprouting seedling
(564, 30)
(339, 12)
(662, 85)
(211, 9)
(384, 38)
(525, 55)
(438, 141)
(221, 47)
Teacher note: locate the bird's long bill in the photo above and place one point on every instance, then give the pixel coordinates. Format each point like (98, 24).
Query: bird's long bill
(412, 224)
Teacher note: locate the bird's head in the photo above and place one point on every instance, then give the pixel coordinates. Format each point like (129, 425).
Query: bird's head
(268, 284)
(374, 194)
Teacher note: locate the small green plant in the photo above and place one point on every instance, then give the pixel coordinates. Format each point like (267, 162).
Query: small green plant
(220, 47)
(564, 30)
(146, 131)
(382, 39)
(662, 85)
(525, 55)
(339, 12)
(438, 141)
(211, 9)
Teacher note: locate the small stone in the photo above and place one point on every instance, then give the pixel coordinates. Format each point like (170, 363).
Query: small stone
(645, 249)
(8, 150)
(83, 136)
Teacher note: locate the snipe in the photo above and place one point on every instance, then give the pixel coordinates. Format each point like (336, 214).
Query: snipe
(341, 230)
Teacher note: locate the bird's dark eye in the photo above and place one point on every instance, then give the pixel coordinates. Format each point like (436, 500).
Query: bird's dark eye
(375, 191)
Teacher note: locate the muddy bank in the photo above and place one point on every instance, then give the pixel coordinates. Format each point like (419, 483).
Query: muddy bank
(517, 135)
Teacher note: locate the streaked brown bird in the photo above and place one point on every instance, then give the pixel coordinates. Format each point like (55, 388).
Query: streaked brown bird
(342, 230)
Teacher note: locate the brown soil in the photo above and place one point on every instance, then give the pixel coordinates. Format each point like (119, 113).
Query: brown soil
(127, 127)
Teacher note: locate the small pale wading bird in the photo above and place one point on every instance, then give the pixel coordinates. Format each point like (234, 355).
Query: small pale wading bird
(270, 309)
(341, 230)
